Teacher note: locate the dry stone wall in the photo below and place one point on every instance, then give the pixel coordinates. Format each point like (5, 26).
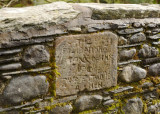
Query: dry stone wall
(65, 58)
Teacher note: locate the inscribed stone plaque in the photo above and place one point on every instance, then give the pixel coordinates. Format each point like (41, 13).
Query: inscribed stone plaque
(86, 62)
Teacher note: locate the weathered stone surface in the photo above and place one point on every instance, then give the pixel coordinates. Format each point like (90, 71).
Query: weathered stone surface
(96, 112)
(2, 87)
(96, 27)
(146, 85)
(7, 77)
(127, 54)
(156, 30)
(149, 61)
(12, 66)
(148, 32)
(120, 11)
(122, 40)
(139, 37)
(34, 55)
(148, 51)
(132, 73)
(151, 25)
(154, 109)
(109, 102)
(42, 69)
(137, 25)
(61, 109)
(63, 100)
(86, 62)
(122, 26)
(154, 69)
(88, 102)
(9, 52)
(121, 89)
(27, 108)
(134, 106)
(24, 88)
(128, 62)
(11, 59)
(128, 46)
(25, 42)
(29, 21)
(156, 43)
(21, 106)
(107, 98)
(130, 31)
(75, 29)
(150, 95)
(154, 37)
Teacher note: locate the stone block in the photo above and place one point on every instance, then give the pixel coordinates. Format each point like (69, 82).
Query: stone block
(127, 54)
(24, 88)
(148, 51)
(34, 55)
(139, 37)
(67, 109)
(87, 102)
(86, 62)
(134, 106)
(132, 73)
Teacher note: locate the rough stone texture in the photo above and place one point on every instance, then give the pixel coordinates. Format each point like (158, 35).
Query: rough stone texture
(9, 60)
(9, 52)
(122, 40)
(154, 109)
(151, 95)
(127, 54)
(21, 106)
(137, 25)
(149, 61)
(139, 37)
(67, 109)
(6, 77)
(40, 21)
(2, 87)
(40, 70)
(96, 112)
(24, 88)
(13, 66)
(96, 27)
(151, 25)
(148, 51)
(63, 100)
(21, 20)
(155, 31)
(34, 55)
(107, 98)
(154, 37)
(134, 106)
(35, 28)
(130, 31)
(122, 26)
(120, 11)
(121, 89)
(87, 102)
(132, 73)
(146, 85)
(90, 65)
(154, 70)
(27, 42)
(109, 102)
(130, 46)
(128, 62)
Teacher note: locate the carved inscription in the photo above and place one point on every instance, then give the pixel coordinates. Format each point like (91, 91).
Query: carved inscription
(86, 62)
